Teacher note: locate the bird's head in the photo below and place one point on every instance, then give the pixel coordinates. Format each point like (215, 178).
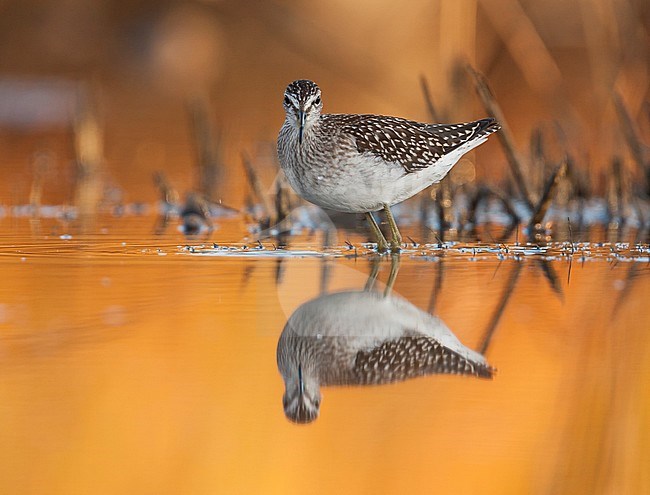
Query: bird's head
(301, 399)
(303, 105)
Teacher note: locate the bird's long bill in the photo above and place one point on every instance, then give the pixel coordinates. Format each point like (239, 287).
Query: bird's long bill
(300, 382)
(301, 116)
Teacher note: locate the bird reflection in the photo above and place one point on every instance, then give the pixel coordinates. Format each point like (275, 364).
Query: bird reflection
(364, 338)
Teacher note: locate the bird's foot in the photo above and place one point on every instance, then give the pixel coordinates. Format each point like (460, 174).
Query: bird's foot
(383, 246)
(395, 241)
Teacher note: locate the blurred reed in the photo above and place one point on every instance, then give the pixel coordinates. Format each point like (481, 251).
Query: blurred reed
(259, 194)
(207, 144)
(43, 165)
(89, 150)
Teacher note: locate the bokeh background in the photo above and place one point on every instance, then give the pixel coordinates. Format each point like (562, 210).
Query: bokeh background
(128, 365)
(146, 84)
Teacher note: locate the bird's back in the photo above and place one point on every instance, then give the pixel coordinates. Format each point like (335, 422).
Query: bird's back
(413, 145)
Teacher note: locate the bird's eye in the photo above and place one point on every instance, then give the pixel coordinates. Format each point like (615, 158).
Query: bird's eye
(287, 101)
(317, 100)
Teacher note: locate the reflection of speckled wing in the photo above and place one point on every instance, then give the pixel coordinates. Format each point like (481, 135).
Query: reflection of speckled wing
(409, 357)
(413, 145)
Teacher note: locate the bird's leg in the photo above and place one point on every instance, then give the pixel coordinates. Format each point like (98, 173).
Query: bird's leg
(382, 245)
(372, 278)
(392, 276)
(396, 237)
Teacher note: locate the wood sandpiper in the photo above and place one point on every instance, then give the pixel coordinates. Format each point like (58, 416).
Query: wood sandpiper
(365, 163)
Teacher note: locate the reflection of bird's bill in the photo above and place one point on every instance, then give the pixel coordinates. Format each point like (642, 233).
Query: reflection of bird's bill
(301, 382)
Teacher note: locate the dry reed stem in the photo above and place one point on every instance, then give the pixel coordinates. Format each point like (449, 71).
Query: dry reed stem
(433, 112)
(445, 202)
(89, 150)
(616, 199)
(168, 194)
(479, 195)
(631, 136)
(443, 196)
(547, 196)
(256, 186)
(208, 159)
(282, 199)
(538, 159)
(524, 43)
(455, 40)
(41, 166)
(505, 135)
(425, 204)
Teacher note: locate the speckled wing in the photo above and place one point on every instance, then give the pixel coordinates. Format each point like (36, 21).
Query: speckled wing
(414, 145)
(409, 357)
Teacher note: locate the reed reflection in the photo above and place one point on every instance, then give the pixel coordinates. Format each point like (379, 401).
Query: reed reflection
(364, 337)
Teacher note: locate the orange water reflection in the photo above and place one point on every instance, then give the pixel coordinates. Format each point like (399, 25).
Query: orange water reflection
(124, 371)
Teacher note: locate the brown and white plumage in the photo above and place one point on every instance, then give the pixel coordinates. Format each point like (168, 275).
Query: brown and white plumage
(414, 145)
(364, 338)
(365, 163)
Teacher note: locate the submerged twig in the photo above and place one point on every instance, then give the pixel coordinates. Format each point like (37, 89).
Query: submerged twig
(437, 286)
(498, 312)
(632, 274)
(279, 271)
(551, 276)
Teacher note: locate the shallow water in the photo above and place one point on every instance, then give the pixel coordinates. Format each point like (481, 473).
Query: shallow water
(136, 363)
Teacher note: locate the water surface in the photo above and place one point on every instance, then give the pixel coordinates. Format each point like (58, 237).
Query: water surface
(135, 363)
